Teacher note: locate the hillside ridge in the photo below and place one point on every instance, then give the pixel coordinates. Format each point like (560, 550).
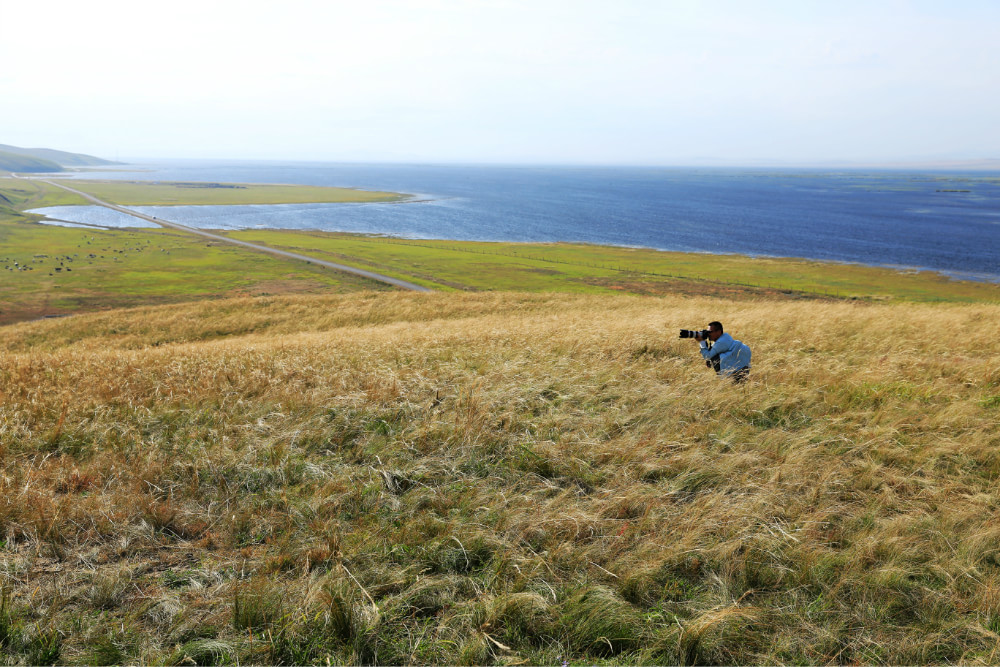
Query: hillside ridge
(18, 162)
(41, 157)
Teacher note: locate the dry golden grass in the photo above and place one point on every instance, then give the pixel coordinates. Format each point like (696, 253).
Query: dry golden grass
(500, 478)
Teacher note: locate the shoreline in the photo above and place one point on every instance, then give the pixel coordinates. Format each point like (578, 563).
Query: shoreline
(953, 275)
(885, 219)
(395, 282)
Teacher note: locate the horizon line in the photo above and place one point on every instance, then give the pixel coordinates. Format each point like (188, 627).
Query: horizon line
(972, 164)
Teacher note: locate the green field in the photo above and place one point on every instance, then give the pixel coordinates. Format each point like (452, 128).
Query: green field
(145, 193)
(49, 270)
(57, 271)
(18, 194)
(590, 268)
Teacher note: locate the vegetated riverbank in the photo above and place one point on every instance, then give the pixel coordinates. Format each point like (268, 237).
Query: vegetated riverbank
(496, 478)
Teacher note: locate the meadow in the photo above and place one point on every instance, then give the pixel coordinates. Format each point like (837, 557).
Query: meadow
(263, 462)
(53, 271)
(500, 478)
(569, 267)
(57, 271)
(155, 193)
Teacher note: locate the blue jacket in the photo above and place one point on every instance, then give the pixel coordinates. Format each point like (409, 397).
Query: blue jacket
(733, 355)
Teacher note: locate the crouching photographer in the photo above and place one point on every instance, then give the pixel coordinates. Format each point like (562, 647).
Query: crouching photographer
(724, 354)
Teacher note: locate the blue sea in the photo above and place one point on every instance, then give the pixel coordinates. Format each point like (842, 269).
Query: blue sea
(946, 222)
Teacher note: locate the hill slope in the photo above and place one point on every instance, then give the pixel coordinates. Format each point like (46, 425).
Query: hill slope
(17, 162)
(500, 478)
(63, 158)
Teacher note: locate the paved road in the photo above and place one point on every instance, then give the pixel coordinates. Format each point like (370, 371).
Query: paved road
(253, 246)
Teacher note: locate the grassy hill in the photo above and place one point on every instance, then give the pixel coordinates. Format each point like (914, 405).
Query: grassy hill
(500, 478)
(26, 164)
(62, 158)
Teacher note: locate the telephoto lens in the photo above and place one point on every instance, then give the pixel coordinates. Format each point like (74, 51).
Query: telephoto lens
(688, 333)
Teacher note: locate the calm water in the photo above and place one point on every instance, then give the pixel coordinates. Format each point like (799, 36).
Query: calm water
(948, 222)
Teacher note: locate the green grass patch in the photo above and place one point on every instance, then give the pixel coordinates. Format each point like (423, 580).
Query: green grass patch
(569, 267)
(20, 194)
(145, 193)
(48, 270)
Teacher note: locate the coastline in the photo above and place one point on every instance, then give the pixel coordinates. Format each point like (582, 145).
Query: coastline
(871, 217)
(67, 213)
(412, 244)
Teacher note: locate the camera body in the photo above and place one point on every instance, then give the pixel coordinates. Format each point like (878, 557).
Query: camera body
(700, 335)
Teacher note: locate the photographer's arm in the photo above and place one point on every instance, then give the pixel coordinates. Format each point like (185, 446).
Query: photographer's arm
(721, 346)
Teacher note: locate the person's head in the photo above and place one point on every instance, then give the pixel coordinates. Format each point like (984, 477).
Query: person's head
(714, 331)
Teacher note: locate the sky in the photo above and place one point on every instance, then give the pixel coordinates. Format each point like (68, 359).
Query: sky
(640, 82)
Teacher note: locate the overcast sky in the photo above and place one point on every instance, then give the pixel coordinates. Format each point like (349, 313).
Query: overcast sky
(511, 81)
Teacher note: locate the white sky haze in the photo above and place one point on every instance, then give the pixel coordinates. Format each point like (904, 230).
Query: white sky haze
(507, 81)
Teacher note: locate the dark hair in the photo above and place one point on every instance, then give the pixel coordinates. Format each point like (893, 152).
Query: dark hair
(716, 325)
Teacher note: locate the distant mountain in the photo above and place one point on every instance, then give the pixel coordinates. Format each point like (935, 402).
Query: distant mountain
(59, 158)
(985, 164)
(26, 163)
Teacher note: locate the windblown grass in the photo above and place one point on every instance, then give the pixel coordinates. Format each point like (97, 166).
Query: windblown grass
(497, 478)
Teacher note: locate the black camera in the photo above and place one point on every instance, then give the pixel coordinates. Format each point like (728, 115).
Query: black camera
(688, 333)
